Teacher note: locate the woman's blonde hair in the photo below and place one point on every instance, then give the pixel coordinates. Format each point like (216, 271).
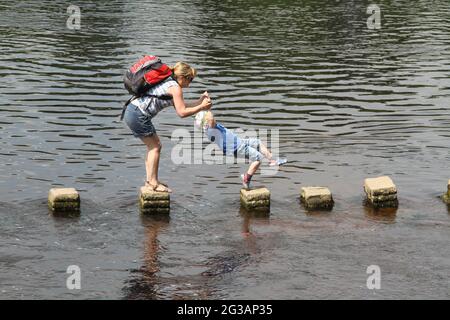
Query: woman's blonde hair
(184, 70)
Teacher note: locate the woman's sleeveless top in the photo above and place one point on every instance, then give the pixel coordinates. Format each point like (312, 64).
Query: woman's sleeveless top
(150, 105)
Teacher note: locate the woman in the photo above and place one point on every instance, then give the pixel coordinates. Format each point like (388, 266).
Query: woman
(140, 111)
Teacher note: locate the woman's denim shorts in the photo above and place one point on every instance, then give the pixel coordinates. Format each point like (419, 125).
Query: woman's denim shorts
(141, 125)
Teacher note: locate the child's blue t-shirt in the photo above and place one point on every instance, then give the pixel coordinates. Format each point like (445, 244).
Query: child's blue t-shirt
(224, 138)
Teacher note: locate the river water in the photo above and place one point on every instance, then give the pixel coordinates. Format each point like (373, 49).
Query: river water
(349, 103)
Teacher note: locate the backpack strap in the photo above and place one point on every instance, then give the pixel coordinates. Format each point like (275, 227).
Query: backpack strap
(162, 97)
(124, 107)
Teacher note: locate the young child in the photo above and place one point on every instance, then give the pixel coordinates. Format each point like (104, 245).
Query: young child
(251, 148)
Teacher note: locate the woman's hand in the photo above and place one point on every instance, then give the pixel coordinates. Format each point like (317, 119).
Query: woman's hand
(206, 104)
(204, 95)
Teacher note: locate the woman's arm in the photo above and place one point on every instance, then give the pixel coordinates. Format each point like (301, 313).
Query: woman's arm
(184, 109)
(191, 104)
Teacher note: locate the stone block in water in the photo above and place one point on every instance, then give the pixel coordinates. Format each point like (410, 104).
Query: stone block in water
(381, 192)
(63, 200)
(154, 202)
(316, 198)
(255, 199)
(446, 196)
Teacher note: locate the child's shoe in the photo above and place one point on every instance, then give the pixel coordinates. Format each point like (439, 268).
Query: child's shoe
(278, 162)
(245, 181)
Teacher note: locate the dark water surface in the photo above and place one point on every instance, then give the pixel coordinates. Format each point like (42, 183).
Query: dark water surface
(350, 103)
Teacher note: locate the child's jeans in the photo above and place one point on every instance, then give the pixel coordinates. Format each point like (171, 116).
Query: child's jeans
(249, 148)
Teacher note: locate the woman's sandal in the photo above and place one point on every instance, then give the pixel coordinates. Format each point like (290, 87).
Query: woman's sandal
(165, 188)
(164, 184)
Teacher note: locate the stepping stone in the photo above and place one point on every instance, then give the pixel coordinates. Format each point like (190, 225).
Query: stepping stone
(63, 200)
(316, 198)
(153, 202)
(446, 196)
(255, 199)
(381, 192)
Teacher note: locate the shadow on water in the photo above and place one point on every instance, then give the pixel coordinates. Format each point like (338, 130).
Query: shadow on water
(244, 253)
(226, 262)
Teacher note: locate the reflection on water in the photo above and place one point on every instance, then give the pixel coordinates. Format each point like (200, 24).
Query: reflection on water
(386, 215)
(350, 103)
(146, 285)
(253, 216)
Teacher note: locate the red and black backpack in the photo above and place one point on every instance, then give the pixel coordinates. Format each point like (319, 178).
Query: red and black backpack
(143, 75)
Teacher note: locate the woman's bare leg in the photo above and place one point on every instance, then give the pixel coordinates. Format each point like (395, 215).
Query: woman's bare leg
(152, 156)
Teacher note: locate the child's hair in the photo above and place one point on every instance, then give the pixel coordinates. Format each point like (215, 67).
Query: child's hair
(184, 70)
(202, 119)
